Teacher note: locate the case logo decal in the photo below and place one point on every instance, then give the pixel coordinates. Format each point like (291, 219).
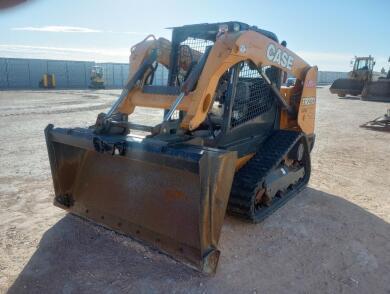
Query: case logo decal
(279, 56)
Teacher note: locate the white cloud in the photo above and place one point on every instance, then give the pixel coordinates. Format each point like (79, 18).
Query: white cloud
(333, 61)
(57, 29)
(71, 29)
(327, 60)
(65, 53)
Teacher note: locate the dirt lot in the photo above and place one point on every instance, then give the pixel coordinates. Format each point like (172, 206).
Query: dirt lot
(332, 238)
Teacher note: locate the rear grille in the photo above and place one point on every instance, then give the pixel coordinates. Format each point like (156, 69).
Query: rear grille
(253, 96)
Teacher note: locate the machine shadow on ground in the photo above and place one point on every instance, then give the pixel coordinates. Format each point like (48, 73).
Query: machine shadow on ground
(372, 99)
(350, 98)
(75, 256)
(377, 128)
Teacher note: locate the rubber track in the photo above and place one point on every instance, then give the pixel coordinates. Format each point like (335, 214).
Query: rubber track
(251, 176)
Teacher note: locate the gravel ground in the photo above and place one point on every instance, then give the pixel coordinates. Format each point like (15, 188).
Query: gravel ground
(334, 237)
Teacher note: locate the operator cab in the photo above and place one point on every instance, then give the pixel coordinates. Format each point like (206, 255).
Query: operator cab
(246, 105)
(243, 101)
(364, 63)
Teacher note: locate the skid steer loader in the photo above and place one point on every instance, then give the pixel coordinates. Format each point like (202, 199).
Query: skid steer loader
(97, 78)
(364, 81)
(231, 138)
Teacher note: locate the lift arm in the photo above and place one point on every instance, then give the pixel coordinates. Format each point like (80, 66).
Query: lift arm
(228, 50)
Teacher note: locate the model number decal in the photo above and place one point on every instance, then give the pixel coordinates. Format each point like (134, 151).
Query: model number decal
(279, 56)
(309, 100)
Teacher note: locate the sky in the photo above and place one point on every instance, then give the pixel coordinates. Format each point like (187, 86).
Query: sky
(324, 33)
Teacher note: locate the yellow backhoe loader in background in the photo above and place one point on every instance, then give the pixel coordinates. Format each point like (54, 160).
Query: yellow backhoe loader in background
(231, 139)
(364, 81)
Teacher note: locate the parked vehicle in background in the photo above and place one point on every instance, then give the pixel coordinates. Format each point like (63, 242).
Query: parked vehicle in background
(364, 81)
(291, 82)
(97, 78)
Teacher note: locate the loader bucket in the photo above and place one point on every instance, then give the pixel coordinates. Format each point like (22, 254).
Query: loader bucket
(377, 91)
(172, 198)
(344, 87)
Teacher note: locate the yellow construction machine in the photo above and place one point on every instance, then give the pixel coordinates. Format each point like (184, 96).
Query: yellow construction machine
(97, 78)
(364, 81)
(48, 81)
(231, 139)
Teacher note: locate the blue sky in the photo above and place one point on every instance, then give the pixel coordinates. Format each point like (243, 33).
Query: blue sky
(326, 33)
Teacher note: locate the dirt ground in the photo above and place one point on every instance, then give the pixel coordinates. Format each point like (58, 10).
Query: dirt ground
(334, 237)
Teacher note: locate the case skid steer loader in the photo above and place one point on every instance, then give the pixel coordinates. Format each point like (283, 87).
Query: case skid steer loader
(231, 139)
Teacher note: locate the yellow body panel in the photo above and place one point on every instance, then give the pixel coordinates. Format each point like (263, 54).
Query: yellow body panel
(286, 93)
(307, 107)
(243, 160)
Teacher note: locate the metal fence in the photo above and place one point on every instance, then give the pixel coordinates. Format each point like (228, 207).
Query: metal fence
(328, 77)
(115, 74)
(17, 73)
